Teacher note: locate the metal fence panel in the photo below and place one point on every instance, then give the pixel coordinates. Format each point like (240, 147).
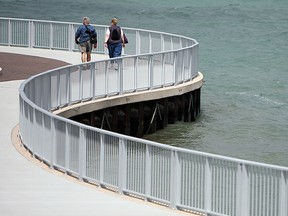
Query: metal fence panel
(93, 151)
(100, 78)
(224, 179)
(160, 173)
(43, 33)
(192, 180)
(129, 74)
(264, 191)
(61, 36)
(63, 96)
(60, 143)
(136, 162)
(19, 32)
(47, 137)
(73, 146)
(4, 32)
(111, 160)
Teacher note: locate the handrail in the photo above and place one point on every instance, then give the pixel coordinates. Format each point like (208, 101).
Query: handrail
(180, 178)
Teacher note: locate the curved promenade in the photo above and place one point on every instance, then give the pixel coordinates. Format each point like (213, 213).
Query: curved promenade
(179, 178)
(35, 190)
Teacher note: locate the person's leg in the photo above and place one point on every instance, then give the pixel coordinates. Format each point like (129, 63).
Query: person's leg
(88, 57)
(117, 53)
(117, 50)
(88, 51)
(83, 49)
(83, 57)
(110, 50)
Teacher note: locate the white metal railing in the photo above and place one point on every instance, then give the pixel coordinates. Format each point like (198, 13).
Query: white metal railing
(179, 178)
(60, 36)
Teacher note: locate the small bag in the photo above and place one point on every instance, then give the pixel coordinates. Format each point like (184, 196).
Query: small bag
(92, 35)
(125, 39)
(93, 39)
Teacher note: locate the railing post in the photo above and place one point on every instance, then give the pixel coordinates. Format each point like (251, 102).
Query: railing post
(148, 172)
(171, 42)
(51, 36)
(138, 43)
(182, 66)
(9, 33)
(163, 56)
(162, 43)
(208, 186)
(82, 153)
(122, 165)
(121, 79)
(150, 68)
(42, 132)
(190, 51)
(175, 68)
(135, 65)
(81, 83)
(32, 125)
(53, 144)
(242, 191)
(175, 183)
(180, 43)
(102, 157)
(106, 78)
(30, 33)
(70, 37)
(195, 59)
(92, 82)
(283, 190)
(196, 56)
(47, 94)
(150, 43)
(58, 90)
(67, 147)
(68, 83)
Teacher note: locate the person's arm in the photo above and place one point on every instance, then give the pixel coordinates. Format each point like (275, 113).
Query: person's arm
(77, 35)
(107, 35)
(122, 38)
(95, 45)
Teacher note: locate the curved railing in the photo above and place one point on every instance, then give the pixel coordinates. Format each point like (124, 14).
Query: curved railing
(179, 178)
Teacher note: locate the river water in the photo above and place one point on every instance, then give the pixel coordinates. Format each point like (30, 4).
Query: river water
(243, 56)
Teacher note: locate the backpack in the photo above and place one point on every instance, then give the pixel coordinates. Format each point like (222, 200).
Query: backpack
(114, 34)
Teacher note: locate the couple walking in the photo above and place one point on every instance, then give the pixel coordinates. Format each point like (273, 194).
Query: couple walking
(86, 38)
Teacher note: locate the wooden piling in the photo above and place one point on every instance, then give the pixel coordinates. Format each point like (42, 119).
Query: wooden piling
(145, 117)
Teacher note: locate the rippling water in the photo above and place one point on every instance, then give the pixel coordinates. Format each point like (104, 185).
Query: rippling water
(243, 56)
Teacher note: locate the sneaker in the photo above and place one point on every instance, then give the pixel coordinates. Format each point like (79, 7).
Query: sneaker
(116, 66)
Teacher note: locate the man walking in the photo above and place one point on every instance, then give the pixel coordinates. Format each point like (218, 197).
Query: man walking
(83, 37)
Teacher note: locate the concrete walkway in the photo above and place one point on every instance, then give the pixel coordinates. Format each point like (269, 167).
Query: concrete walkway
(28, 187)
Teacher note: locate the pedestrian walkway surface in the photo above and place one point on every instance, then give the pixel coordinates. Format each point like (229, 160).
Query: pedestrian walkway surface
(30, 188)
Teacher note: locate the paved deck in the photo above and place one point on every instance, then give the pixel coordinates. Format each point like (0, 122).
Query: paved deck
(28, 187)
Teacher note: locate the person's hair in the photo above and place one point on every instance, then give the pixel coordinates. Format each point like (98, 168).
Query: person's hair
(114, 21)
(87, 19)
